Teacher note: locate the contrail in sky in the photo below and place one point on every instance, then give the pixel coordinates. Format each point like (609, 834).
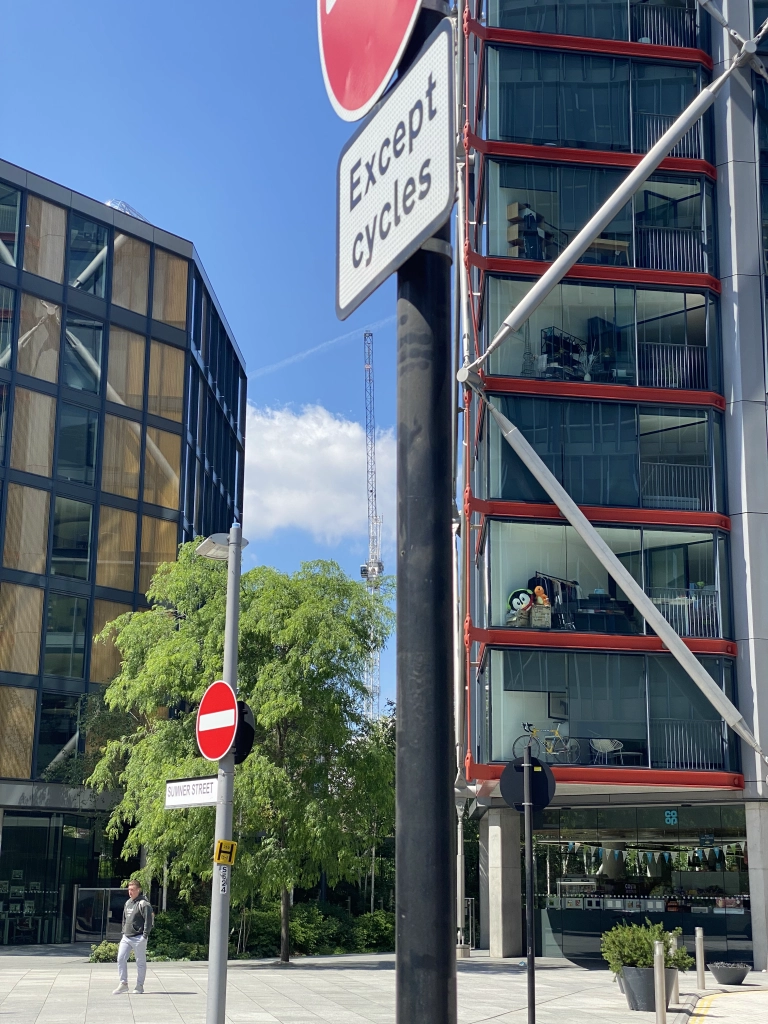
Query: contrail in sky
(297, 357)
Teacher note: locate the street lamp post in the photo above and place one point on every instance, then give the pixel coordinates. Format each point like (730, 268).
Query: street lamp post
(223, 546)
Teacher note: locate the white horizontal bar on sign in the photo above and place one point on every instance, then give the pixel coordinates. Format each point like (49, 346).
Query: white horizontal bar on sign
(216, 720)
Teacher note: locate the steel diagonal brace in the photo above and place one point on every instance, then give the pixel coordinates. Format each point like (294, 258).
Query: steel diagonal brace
(671, 640)
(614, 204)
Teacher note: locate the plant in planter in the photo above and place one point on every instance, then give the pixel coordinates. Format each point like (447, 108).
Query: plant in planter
(628, 948)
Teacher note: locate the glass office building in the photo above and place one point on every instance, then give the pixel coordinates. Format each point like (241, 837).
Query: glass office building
(640, 382)
(122, 415)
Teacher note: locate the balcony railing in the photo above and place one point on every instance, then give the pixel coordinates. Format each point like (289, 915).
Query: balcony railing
(694, 613)
(676, 249)
(672, 366)
(660, 25)
(650, 127)
(696, 746)
(676, 485)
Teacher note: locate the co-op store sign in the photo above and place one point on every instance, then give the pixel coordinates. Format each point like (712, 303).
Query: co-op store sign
(396, 178)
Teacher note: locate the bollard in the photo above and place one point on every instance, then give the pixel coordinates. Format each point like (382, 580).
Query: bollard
(700, 979)
(674, 997)
(659, 983)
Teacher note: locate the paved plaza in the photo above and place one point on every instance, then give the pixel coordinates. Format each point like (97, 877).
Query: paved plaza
(57, 985)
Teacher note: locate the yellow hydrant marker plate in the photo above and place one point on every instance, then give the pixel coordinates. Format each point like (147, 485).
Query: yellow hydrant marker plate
(226, 849)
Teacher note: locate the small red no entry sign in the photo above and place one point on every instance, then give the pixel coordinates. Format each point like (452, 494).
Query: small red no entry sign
(361, 43)
(217, 721)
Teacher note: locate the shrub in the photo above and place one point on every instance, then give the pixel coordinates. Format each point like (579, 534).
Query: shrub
(631, 945)
(104, 953)
(375, 933)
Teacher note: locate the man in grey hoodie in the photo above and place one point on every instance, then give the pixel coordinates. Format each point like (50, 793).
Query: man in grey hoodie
(137, 924)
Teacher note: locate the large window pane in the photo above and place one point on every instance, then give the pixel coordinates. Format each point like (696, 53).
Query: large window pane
(607, 708)
(581, 595)
(125, 377)
(7, 296)
(105, 657)
(548, 98)
(71, 551)
(681, 579)
(45, 239)
(59, 729)
(535, 210)
(166, 381)
(78, 436)
(169, 293)
(82, 353)
(130, 274)
(607, 20)
(675, 462)
(162, 467)
(34, 416)
(579, 333)
(87, 255)
(660, 93)
(158, 544)
(39, 338)
(21, 613)
(122, 457)
(686, 731)
(65, 635)
(117, 548)
(17, 731)
(3, 420)
(10, 202)
(26, 529)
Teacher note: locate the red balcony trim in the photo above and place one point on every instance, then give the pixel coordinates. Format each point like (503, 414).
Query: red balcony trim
(598, 776)
(582, 44)
(602, 392)
(596, 157)
(600, 514)
(589, 272)
(567, 641)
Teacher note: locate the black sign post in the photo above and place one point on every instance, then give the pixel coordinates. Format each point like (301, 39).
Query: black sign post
(528, 784)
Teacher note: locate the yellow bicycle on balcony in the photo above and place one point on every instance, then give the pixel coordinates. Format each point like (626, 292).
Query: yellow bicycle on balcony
(557, 749)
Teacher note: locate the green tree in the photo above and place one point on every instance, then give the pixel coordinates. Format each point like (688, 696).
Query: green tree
(318, 786)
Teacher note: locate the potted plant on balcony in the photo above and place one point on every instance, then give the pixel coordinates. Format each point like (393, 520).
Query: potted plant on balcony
(628, 948)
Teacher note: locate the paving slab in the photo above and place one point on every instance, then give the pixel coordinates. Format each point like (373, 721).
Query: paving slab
(57, 985)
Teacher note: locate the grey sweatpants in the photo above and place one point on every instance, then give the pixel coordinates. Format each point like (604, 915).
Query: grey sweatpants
(139, 947)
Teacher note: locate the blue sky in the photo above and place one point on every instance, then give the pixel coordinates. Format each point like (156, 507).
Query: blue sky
(213, 122)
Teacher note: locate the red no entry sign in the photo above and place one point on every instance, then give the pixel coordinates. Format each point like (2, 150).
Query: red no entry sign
(216, 721)
(361, 43)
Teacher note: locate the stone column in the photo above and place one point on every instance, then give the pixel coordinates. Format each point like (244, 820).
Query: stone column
(504, 883)
(483, 941)
(746, 437)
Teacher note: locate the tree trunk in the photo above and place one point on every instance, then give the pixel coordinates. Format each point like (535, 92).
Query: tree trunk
(285, 933)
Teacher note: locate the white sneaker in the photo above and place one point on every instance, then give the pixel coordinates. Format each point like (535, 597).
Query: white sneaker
(122, 987)
(138, 991)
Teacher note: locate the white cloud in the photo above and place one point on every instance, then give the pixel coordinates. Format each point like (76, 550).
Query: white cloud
(306, 470)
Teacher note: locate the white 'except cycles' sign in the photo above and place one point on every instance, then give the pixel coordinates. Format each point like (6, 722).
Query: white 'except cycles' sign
(199, 792)
(396, 179)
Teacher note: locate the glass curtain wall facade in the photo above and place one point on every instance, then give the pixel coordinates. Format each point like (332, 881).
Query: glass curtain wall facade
(617, 382)
(122, 414)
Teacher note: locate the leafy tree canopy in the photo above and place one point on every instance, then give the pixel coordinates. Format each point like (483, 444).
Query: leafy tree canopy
(318, 789)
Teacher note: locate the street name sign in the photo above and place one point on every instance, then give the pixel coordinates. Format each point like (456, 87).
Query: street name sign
(217, 719)
(197, 792)
(396, 178)
(361, 43)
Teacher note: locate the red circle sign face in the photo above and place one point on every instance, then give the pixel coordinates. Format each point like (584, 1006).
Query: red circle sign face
(361, 43)
(216, 721)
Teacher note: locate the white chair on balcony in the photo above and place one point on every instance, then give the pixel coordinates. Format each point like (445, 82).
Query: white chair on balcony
(607, 751)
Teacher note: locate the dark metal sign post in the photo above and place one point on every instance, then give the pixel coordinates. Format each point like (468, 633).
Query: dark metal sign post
(425, 854)
(528, 785)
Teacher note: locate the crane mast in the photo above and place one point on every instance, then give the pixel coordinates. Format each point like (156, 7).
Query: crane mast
(373, 569)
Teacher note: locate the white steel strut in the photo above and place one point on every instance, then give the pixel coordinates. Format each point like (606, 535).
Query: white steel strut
(468, 375)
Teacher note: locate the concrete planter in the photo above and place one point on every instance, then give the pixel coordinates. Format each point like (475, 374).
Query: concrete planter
(638, 987)
(729, 974)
